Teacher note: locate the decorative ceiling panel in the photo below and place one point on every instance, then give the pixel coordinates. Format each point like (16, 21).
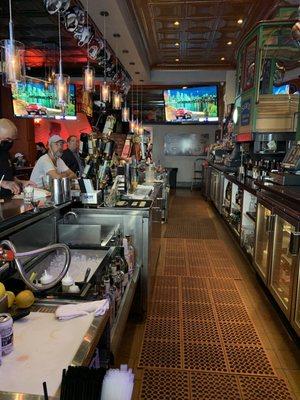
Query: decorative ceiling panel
(204, 29)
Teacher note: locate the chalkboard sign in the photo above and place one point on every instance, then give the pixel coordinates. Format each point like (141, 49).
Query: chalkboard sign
(186, 144)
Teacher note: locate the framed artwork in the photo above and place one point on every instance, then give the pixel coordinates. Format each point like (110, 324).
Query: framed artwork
(186, 144)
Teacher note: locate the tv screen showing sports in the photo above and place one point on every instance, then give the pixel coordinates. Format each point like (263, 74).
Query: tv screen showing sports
(191, 104)
(36, 99)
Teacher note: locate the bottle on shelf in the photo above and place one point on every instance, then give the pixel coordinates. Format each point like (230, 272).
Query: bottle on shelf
(129, 254)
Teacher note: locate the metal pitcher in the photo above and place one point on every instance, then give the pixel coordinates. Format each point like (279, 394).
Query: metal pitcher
(66, 186)
(57, 191)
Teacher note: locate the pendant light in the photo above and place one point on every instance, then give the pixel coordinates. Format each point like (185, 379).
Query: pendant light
(88, 71)
(105, 88)
(117, 98)
(61, 81)
(125, 113)
(141, 128)
(12, 56)
(137, 124)
(132, 123)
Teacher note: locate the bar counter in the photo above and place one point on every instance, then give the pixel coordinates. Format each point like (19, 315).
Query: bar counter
(264, 218)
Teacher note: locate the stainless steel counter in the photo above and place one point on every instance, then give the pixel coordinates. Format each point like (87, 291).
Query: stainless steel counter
(83, 355)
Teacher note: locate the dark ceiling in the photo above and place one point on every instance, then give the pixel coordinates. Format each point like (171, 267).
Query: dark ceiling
(38, 30)
(196, 33)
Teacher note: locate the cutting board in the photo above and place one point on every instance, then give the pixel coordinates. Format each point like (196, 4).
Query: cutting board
(43, 347)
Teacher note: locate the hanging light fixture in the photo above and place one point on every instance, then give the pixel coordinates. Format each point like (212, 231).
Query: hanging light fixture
(141, 128)
(88, 71)
(125, 113)
(12, 56)
(105, 88)
(132, 122)
(61, 81)
(117, 98)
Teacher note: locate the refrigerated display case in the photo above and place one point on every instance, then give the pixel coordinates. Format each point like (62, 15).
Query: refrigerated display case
(295, 319)
(284, 260)
(248, 222)
(263, 245)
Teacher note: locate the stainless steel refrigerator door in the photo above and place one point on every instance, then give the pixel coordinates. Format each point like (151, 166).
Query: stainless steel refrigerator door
(284, 260)
(263, 241)
(295, 319)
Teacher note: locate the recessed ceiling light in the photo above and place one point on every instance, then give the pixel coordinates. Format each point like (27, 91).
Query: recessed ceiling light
(177, 44)
(222, 58)
(177, 59)
(240, 21)
(137, 72)
(176, 23)
(184, 87)
(132, 63)
(117, 35)
(229, 43)
(125, 51)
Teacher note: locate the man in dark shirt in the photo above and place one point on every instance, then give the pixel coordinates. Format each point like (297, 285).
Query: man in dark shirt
(9, 184)
(71, 155)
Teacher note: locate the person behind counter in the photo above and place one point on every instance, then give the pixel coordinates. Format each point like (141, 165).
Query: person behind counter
(10, 184)
(40, 150)
(51, 165)
(71, 155)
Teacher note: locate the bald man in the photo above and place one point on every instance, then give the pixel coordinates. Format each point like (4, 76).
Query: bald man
(9, 185)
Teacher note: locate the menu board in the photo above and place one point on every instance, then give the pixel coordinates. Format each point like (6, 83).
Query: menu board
(194, 144)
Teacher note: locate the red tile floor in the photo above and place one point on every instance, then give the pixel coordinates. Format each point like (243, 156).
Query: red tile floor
(211, 332)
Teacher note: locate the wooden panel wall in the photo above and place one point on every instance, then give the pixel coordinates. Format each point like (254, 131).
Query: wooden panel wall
(25, 143)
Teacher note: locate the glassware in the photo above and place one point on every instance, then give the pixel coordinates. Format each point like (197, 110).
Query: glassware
(28, 194)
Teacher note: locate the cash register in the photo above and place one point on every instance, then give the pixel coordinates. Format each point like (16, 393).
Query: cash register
(291, 169)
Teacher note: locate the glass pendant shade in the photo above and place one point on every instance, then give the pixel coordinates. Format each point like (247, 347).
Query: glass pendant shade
(125, 114)
(117, 101)
(141, 129)
(105, 92)
(89, 78)
(132, 126)
(62, 83)
(12, 61)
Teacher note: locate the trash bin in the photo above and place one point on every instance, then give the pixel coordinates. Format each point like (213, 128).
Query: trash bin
(173, 177)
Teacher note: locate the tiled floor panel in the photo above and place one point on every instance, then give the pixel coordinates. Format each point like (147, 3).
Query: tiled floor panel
(199, 341)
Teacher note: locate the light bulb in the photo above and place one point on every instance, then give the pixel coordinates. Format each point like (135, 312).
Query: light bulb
(117, 101)
(125, 114)
(62, 89)
(105, 92)
(12, 61)
(89, 78)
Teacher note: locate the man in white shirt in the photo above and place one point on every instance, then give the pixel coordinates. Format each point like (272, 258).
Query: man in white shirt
(51, 165)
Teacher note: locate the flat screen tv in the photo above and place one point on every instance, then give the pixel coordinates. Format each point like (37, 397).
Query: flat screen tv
(36, 99)
(198, 104)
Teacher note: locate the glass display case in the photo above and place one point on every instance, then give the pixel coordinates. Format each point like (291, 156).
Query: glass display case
(296, 317)
(284, 260)
(262, 242)
(248, 222)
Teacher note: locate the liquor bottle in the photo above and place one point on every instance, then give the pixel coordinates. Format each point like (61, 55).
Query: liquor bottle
(129, 253)
(116, 283)
(83, 145)
(123, 267)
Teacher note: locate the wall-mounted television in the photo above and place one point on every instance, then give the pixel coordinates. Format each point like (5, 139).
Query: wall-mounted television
(37, 99)
(198, 104)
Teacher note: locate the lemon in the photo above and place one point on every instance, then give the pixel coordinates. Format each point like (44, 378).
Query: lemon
(2, 290)
(10, 298)
(25, 299)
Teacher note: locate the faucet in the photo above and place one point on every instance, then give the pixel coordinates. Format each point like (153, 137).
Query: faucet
(70, 213)
(20, 268)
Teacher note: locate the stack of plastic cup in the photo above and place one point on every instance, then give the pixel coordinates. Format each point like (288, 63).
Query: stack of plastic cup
(118, 384)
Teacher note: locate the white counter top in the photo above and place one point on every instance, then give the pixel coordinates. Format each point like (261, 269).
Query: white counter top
(43, 347)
